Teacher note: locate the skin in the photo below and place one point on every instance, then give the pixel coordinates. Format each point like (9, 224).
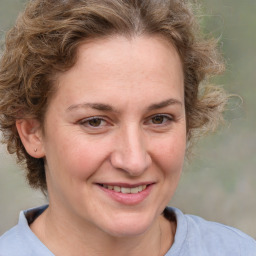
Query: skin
(118, 118)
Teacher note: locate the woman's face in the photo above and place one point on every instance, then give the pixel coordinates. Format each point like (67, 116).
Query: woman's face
(115, 134)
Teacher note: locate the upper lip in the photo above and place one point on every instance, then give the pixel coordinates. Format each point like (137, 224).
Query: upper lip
(126, 185)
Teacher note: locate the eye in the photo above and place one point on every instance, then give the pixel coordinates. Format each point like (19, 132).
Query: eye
(160, 119)
(93, 122)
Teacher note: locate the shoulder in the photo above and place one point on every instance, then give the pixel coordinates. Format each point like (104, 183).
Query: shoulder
(20, 240)
(202, 237)
(215, 234)
(9, 242)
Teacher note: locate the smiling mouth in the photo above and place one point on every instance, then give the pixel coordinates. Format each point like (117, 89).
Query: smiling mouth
(125, 190)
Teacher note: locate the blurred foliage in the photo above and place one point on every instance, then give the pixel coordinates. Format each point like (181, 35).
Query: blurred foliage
(219, 184)
(224, 163)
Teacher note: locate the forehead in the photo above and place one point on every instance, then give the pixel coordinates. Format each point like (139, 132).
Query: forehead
(145, 65)
(119, 51)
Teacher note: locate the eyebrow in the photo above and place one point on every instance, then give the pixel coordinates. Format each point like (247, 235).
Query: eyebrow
(164, 103)
(97, 106)
(109, 108)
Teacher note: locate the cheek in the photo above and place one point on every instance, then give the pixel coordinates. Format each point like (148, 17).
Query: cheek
(169, 158)
(81, 160)
(170, 153)
(71, 165)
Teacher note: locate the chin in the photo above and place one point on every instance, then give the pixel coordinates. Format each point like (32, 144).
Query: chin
(124, 231)
(129, 226)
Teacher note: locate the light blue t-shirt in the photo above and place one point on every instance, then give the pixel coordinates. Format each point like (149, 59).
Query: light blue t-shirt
(194, 237)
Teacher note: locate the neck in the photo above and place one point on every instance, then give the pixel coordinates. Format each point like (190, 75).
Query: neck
(65, 238)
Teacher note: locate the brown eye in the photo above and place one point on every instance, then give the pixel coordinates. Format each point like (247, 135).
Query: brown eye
(95, 122)
(158, 119)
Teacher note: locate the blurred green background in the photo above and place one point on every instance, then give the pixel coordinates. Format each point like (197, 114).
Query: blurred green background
(219, 183)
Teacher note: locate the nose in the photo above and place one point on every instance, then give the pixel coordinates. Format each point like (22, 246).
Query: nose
(130, 153)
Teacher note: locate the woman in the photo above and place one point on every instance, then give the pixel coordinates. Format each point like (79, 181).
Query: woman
(100, 99)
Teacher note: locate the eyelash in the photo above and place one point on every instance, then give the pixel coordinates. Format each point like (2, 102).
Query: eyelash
(85, 122)
(166, 117)
(166, 120)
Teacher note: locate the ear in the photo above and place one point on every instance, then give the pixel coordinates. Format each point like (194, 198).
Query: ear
(31, 136)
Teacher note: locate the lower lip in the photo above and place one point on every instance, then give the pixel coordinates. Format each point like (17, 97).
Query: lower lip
(128, 199)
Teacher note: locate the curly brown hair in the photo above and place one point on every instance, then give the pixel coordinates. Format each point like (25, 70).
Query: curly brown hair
(44, 42)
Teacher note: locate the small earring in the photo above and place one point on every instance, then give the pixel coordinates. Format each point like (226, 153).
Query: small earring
(35, 150)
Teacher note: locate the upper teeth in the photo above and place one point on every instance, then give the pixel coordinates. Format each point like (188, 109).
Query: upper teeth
(125, 190)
